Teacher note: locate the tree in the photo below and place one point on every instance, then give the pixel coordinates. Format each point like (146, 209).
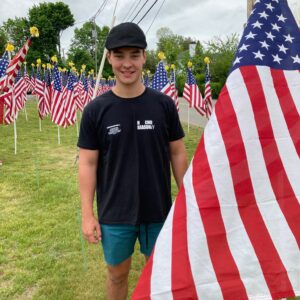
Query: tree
(17, 31)
(84, 39)
(3, 41)
(51, 19)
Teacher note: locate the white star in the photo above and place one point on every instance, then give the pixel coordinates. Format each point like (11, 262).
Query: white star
(281, 18)
(258, 55)
(275, 26)
(243, 47)
(270, 7)
(237, 60)
(257, 24)
(263, 15)
(282, 48)
(276, 58)
(270, 35)
(250, 35)
(296, 59)
(265, 45)
(289, 38)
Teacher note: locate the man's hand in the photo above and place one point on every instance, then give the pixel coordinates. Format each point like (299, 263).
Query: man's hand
(91, 229)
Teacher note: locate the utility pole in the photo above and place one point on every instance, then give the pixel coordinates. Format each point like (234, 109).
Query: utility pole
(250, 4)
(94, 35)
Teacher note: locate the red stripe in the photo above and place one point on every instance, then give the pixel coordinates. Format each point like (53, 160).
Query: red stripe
(183, 286)
(288, 106)
(273, 269)
(284, 192)
(223, 262)
(143, 288)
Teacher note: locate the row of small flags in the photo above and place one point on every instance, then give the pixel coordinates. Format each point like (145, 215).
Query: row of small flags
(62, 93)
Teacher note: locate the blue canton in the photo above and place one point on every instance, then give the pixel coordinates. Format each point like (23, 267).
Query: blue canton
(71, 81)
(57, 83)
(271, 37)
(3, 63)
(190, 79)
(159, 79)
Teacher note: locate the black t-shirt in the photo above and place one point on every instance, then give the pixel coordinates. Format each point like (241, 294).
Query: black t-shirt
(132, 136)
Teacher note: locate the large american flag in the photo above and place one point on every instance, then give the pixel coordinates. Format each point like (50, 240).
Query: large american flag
(207, 94)
(192, 94)
(233, 231)
(160, 80)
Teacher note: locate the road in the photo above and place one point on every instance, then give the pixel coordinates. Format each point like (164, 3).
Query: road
(191, 114)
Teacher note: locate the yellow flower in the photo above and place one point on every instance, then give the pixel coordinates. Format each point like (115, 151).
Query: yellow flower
(161, 55)
(172, 66)
(74, 69)
(33, 65)
(167, 68)
(48, 65)
(10, 47)
(207, 60)
(83, 67)
(38, 61)
(25, 62)
(190, 64)
(71, 64)
(44, 66)
(34, 32)
(54, 58)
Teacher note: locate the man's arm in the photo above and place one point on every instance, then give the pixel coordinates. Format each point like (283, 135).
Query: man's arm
(88, 162)
(178, 159)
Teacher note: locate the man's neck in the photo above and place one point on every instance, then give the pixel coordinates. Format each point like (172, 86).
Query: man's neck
(129, 91)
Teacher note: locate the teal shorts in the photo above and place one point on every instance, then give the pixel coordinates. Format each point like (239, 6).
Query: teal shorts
(118, 240)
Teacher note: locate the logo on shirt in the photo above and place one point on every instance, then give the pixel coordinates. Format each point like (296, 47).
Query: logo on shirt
(148, 125)
(114, 129)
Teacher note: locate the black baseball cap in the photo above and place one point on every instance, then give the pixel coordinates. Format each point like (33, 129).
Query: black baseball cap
(126, 35)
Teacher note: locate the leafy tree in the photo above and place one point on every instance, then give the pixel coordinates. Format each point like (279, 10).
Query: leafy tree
(221, 53)
(51, 19)
(152, 61)
(3, 41)
(17, 31)
(84, 39)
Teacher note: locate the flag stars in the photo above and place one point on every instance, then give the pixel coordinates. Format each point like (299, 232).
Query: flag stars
(264, 44)
(257, 24)
(282, 48)
(258, 55)
(277, 1)
(250, 35)
(264, 15)
(276, 58)
(296, 59)
(237, 60)
(281, 18)
(270, 36)
(289, 38)
(244, 47)
(269, 6)
(275, 27)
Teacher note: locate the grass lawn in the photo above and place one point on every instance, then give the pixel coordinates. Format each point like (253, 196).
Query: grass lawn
(42, 254)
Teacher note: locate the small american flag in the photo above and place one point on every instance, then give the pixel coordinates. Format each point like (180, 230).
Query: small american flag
(233, 232)
(192, 94)
(70, 106)
(207, 94)
(40, 92)
(57, 102)
(160, 80)
(174, 91)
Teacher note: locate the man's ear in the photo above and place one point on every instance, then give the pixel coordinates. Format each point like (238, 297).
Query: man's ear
(108, 56)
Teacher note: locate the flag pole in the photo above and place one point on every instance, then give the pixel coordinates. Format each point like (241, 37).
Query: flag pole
(77, 123)
(189, 119)
(15, 119)
(104, 56)
(26, 118)
(58, 135)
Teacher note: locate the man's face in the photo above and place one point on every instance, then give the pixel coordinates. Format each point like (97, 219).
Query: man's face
(127, 64)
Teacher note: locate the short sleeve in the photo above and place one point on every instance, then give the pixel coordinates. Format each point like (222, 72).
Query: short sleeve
(175, 129)
(88, 138)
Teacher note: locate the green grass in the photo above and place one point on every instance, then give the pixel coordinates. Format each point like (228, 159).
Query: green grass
(42, 254)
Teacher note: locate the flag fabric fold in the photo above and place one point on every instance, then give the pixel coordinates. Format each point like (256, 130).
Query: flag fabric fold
(233, 231)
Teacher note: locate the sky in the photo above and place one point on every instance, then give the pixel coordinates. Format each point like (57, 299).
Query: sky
(199, 19)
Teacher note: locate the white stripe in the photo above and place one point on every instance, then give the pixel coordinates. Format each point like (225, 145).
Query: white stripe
(293, 81)
(204, 276)
(238, 240)
(273, 217)
(286, 147)
(161, 287)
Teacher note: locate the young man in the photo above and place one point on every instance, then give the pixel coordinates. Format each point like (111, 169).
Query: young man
(128, 137)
